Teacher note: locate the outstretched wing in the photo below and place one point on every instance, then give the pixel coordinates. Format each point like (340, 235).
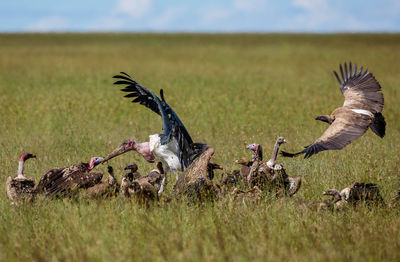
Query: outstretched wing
(73, 178)
(348, 126)
(360, 88)
(172, 125)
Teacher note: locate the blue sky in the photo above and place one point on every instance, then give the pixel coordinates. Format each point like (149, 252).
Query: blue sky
(200, 16)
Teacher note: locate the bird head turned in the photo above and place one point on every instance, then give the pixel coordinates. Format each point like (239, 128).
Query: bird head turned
(132, 167)
(94, 161)
(26, 156)
(280, 140)
(253, 147)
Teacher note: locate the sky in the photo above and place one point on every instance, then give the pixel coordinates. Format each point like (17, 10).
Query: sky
(314, 16)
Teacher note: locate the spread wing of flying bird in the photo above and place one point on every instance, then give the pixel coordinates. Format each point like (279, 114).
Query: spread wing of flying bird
(172, 125)
(363, 104)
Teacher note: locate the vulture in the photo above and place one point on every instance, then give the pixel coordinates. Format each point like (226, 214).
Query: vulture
(107, 188)
(65, 181)
(245, 164)
(20, 187)
(339, 200)
(362, 109)
(273, 176)
(174, 147)
(126, 183)
(356, 192)
(132, 172)
(195, 182)
(146, 187)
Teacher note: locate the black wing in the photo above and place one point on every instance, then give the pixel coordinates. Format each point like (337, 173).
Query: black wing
(172, 125)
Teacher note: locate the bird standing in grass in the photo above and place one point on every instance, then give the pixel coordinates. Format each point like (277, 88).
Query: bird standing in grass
(174, 146)
(65, 181)
(362, 109)
(107, 188)
(20, 187)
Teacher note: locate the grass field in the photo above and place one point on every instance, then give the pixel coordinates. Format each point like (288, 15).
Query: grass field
(57, 101)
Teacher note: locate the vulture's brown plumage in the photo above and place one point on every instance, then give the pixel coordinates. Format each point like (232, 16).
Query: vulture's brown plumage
(107, 188)
(144, 188)
(21, 187)
(65, 181)
(195, 183)
(362, 109)
(246, 164)
(356, 193)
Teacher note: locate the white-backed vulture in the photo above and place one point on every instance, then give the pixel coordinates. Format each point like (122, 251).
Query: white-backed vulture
(362, 109)
(145, 188)
(106, 188)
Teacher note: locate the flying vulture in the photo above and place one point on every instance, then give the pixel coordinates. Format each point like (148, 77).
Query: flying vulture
(362, 109)
(174, 147)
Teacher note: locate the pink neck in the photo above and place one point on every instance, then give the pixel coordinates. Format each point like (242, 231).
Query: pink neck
(144, 150)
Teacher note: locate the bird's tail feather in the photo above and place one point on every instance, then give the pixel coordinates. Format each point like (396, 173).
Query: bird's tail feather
(379, 125)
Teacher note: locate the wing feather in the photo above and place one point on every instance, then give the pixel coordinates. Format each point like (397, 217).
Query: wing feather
(347, 127)
(360, 89)
(172, 125)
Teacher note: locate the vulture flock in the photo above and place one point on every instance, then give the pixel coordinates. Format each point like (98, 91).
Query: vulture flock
(255, 178)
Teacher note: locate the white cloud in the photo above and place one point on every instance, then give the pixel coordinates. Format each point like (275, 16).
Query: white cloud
(107, 24)
(49, 24)
(214, 14)
(134, 8)
(311, 5)
(249, 5)
(317, 13)
(162, 21)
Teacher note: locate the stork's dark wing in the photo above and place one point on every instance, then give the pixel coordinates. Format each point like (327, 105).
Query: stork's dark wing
(172, 125)
(348, 126)
(360, 88)
(142, 95)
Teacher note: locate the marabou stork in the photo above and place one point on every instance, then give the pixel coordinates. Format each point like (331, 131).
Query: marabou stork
(174, 146)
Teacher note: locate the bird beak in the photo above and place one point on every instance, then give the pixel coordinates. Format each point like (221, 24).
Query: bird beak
(118, 151)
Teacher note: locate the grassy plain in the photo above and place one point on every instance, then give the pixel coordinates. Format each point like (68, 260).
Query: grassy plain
(57, 100)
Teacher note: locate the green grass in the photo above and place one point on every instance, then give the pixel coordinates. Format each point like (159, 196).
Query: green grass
(57, 101)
